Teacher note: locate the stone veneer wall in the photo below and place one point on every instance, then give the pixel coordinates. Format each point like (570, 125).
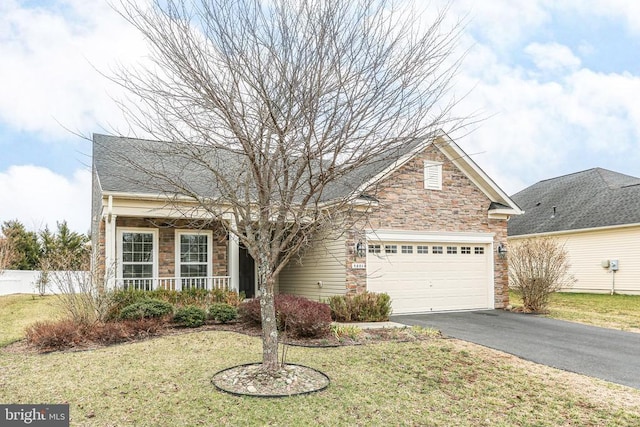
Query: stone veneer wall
(404, 204)
(166, 241)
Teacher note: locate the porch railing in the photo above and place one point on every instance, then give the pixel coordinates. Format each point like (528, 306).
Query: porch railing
(174, 283)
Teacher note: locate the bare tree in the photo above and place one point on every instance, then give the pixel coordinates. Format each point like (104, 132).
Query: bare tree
(7, 254)
(276, 111)
(538, 268)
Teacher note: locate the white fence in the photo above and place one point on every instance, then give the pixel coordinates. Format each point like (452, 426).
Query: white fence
(28, 282)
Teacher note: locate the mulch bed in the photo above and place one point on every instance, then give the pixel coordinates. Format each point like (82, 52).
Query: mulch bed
(330, 340)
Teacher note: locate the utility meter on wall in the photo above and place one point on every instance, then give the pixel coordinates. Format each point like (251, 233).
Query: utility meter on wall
(613, 265)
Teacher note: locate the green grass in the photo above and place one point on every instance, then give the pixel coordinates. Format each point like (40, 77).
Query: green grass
(21, 310)
(167, 381)
(609, 311)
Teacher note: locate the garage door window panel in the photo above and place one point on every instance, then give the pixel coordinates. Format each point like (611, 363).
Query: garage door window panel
(407, 249)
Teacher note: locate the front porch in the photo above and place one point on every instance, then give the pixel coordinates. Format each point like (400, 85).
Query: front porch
(148, 253)
(173, 283)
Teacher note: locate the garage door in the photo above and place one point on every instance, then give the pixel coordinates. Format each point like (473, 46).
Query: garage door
(431, 276)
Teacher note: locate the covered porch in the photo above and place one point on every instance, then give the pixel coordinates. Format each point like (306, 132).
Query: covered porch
(147, 245)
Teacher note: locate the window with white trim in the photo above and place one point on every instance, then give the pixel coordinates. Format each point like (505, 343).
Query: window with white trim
(465, 250)
(436, 250)
(390, 249)
(138, 258)
(407, 249)
(452, 250)
(432, 175)
(193, 253)
(374, 249)
(478, 250)
(422, 249)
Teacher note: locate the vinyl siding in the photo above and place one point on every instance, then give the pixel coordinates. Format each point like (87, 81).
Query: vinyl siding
(325, 262)
(588, 249)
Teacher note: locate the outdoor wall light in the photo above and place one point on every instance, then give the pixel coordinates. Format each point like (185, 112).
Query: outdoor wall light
(502, 250)
(360, 249)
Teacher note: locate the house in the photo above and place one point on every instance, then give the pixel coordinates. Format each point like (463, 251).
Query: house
(595, 214)
(431, 237)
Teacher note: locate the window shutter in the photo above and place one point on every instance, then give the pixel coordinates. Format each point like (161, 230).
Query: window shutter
(432, 176)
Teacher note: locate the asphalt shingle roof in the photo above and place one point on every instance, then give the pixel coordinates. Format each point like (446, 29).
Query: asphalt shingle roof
(588, 199)
(126, 165)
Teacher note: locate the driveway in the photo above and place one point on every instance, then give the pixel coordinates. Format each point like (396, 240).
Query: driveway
(607, 354)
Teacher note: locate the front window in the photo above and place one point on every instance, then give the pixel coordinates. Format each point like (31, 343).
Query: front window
(193, 258)
(138, 259)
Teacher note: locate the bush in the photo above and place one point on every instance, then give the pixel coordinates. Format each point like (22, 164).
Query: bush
(147, 308)
(198, 297)
(65, 334)
(50, 336)
(249, 312)
(538, 268)
(190, 316)
(122, 298)
(364, 307)
(222, 312)
(303, 318)
(295, 315)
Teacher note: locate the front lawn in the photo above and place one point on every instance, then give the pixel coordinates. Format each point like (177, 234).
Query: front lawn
(609, 311)
(439, 382)
(21, 310)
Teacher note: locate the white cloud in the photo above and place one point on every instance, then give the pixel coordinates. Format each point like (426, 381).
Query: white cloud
(552, 57)
(504, 23)
(51, 82)
(37, 197)
(536, 129)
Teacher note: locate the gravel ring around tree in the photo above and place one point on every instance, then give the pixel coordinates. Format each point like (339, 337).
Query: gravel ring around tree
(251, 380)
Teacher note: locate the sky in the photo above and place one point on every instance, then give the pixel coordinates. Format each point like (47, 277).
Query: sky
(556, 86)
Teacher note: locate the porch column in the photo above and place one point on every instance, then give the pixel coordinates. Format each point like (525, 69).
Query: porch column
(110, 251)
(234, 258)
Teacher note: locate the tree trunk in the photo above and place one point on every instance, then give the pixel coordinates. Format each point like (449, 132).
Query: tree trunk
(268, 315)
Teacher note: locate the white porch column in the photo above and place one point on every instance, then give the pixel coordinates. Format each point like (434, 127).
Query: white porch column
(110, 251)
(233, 261)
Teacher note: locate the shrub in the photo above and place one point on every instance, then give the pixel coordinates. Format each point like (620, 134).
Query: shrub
(190, 316)
(301, 317)
(60, 335)
(295, 315)
(65, 334)
(222, 312)
(249, 312)
(122, 298)
(147, 308)
(538, 268)
(198, 297)
(364, 307)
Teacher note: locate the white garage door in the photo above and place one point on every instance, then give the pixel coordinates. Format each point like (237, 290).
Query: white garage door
(431, 276)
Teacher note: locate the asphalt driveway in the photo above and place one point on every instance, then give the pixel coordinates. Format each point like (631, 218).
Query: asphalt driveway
(597, 352)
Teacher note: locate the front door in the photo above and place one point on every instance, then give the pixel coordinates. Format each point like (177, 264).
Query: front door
(247, 273)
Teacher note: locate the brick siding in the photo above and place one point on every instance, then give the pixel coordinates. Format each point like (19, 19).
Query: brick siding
(404, 204)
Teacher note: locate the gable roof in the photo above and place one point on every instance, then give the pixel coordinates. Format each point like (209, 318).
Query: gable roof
(117, 176)
(500, 204)
(592, 198)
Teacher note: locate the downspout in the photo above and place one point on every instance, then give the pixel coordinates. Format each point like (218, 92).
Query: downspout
(613, 281)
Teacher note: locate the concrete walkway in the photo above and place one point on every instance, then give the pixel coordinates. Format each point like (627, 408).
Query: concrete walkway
(373, 325)
(607, 354)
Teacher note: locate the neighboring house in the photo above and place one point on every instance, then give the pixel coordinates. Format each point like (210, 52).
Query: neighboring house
(430, 240)
(595, 214)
